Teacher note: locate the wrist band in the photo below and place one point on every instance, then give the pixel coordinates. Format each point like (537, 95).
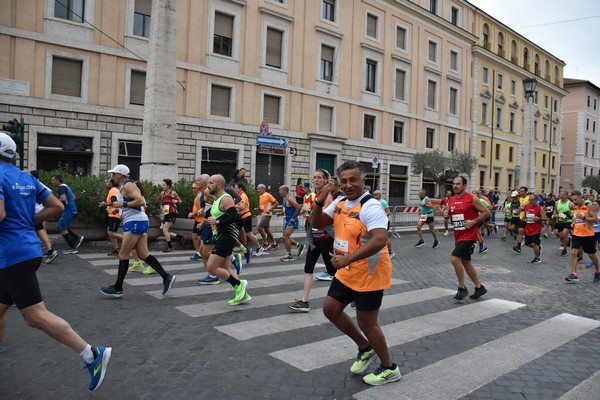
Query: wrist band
(124, 204)
(319, 204)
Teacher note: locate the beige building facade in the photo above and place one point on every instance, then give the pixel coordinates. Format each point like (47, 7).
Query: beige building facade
(581, 145)
(502, 59)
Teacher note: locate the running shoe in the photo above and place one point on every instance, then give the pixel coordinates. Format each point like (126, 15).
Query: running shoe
(70, 251)
(564, 252)
(516, 249)
(240, 290)
(209, 280)
(484, 249)
(536, 261)
(324, 277)
(245, 300)
(392, 255)
(300, 247)
(248, 255)
(503, 238)
(446, 233)
(541, 248)
(299, 306)
(287, 257)
(545, 236)
(561, 248)
(97, 368)
(196, 257)
(112, 291)
(383, 375)
(169, 250)
(363, 360)
(461, 294)
(274, 246)
(480, 291)
(590, 265)
(136, 266)
(149, 271)
(579, 259)
(168, 284)
(50, 256)
(420, 243)
(79, 241)
(596, 277)
(236, 262)
(436, 244)
(572, 278)
(266, 247)
(114, 253)
(495, 228)
(260, 251)
(183, 240)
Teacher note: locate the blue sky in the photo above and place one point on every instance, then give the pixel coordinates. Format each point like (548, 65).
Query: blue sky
(577, 43)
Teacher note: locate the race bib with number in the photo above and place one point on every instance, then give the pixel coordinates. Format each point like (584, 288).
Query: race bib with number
(458, 222)
(165, 209)
(423, 217)
(549, 209)
(530, 218)
(340, 245)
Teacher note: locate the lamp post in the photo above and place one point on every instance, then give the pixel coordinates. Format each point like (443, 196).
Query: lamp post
(528, 162)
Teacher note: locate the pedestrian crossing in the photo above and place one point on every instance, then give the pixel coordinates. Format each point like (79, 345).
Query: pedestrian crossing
(274, 284)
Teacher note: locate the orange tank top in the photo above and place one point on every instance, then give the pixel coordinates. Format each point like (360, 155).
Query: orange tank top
(195, 208)
(581, 227)
(365, 275)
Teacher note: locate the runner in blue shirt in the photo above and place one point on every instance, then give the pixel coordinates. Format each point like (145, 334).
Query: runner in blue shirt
(67, 198)
(21, 256)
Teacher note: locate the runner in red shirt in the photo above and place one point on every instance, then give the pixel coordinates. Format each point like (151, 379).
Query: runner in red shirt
(534, 219)
(466, 212)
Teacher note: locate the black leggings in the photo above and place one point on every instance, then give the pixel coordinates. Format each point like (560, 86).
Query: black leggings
(322, 247)
(19, 284)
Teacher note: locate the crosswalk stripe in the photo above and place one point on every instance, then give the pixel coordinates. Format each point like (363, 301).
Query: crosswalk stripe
(287, 322)
(463, 373)
(102, 260)
(218, 307)
(588, 389)
(201, 272)
(330, 351)
(91, 256)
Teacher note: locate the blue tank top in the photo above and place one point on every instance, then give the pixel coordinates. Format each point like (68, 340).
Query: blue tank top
(290, 211)
(70, 203)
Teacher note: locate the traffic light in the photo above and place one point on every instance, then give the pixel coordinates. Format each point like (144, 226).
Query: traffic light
(16, 130)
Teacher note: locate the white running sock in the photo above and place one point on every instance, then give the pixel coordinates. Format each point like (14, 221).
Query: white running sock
(87, 354)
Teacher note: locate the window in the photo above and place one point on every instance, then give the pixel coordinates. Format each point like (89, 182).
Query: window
(482, 179)
(271, 109)
(511, 123)
(553, 161)
(497, 151)
(454, 16)
(594, 126)
(398, 132)
(556, 105)
(587, 123)
(499, 117)
(137, 87)
(513, 51)
(510, 180)
(545, 132)
(328, 10)
(554, 135)
(429, 138)
(141, 17)
(587, 146)
(327, 63)
(66, 76)
(594, 104)
(535, 97)
(453, 60)
(401, 37)
(69, 9)
(130, 154)
(500, 50)
(432, 53)
(431, 94)
(274, 42)
(220, 101)
(400, 81)
(453, 106)
(593, 150)
(222, 42)
(543, 184)
(371, 76)
(325, 118)
(369, 126)
(510, 157)
(588, 101)
(485, 77)
(482, 149)
(451, 141)
(484, 113)
(546, 101)
(485, 33)
(513, 87)
(372, 26)
(535, 129)
(500, 82)
(433, 6)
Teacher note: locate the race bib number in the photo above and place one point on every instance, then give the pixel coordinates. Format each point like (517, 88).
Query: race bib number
(340, 246)
(549, 209)
(458, 222)
(165, 209)
(423, 217)
(530, 218)
(515, 213)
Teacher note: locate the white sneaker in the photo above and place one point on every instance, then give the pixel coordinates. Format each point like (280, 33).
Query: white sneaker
(324, 277)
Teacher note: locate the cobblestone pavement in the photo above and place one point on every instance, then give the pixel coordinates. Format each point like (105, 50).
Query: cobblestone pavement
(514, 343)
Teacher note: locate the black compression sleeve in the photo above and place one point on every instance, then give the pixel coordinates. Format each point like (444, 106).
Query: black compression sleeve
(230, 216)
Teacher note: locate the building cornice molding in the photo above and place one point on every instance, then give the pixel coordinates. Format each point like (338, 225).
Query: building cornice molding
(277, 14)
(329, 32)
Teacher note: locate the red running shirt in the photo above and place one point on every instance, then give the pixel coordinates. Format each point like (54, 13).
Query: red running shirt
(533, 227)
(461, 209)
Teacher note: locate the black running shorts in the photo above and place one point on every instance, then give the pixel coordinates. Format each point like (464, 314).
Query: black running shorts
(464, 249)
(364, 301)
(113, 223)
(224, 247)
(587, 243)
(19, 284)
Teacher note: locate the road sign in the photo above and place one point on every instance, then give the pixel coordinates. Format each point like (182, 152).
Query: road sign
(264, 128)
(375, 162)
(268, 149)
(292, 151)
(271, 141)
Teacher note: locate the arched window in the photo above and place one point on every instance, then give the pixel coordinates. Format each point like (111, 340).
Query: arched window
(513, 51)
(500, 51)
(526, 58)
(486, 36)
(536, 65)
(556, 76)
(547, 70)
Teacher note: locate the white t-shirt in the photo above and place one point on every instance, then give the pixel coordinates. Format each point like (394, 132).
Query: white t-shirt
(371, 214)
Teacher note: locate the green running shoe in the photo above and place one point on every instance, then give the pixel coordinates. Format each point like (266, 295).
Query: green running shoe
(136, 266)
(245, 300)
(240, 290)
(383, 375)
(149, 271)
(363, 360)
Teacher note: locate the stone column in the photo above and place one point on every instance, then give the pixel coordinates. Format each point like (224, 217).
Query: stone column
(159, 148)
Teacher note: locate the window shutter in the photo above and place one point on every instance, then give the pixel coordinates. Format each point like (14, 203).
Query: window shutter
(431, 94)
(224, 25)
(371, 26)
(271, 109)
(143, 7)
(325, 114)
(66, 76)
(137, 89)
(400, 76)
(327, 53)
(274, 40)
(219, 102)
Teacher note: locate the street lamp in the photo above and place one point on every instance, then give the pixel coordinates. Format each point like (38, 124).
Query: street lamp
(528, 152)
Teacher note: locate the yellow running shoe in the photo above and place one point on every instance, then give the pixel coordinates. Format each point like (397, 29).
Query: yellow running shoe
(149, 271)
(136, 266)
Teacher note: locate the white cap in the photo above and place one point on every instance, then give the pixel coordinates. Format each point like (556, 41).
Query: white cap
(514, 193)
(8, 147)
(120, 169)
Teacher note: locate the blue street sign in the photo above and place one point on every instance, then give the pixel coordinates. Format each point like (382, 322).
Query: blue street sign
(271, 140)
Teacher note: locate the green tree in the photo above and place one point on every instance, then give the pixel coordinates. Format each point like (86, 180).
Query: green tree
(592, 182)
(441, 167)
